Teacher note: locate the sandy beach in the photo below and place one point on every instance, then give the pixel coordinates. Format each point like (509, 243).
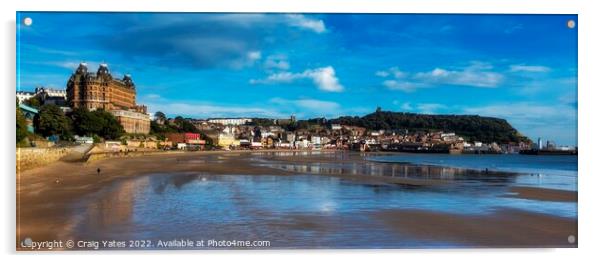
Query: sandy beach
(44, 196)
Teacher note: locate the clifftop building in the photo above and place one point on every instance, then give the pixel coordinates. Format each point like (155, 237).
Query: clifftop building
(101, 91)
(45, 95)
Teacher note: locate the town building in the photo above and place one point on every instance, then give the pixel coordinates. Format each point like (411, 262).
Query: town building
(132, 121)
(45, 96)
(29, 114)
(51, 96)
(188, 140)
(24, 95)
(101, 91)
(230, 121)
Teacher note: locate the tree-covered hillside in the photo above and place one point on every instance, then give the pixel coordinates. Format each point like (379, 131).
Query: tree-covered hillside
(471, 127)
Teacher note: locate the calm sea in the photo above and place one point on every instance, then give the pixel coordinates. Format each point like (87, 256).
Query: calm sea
(552, 171)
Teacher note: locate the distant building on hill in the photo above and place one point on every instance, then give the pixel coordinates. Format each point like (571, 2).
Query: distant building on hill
(24, 95)
(230, 121)
(51, 96)
(45, 96)
(101, 91)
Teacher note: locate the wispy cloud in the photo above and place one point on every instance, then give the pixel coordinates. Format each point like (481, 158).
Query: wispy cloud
(477, 74)
(302, 21)
(528, 68)
(206, 110)
(470, 76)
(276, 62)
(535, 120)
(324, 78)
(219, 40)
(430, 108)
(309, 104)
(311, 107)
(513, 28)
(26, 81)
(425, 108)
(527, 114)
(153, 96)
(44, 50)
(402, 85)
(393, 71)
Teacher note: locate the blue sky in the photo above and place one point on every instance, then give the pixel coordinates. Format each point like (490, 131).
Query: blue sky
(519, 67)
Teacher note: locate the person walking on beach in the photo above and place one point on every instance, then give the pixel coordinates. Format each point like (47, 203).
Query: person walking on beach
(98, 170)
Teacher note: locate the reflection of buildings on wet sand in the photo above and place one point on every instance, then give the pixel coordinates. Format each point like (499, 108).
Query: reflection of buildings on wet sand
(394, 170)
(115, 207)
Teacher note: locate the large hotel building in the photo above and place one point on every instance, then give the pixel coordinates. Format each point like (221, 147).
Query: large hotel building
(102, 91)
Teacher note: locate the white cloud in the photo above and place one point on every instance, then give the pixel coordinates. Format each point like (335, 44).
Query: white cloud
(302, 21)
(254, 55)
(324, 78)
(528, 68)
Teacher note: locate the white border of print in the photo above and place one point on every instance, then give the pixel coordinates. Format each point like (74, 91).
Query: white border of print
(589, 127)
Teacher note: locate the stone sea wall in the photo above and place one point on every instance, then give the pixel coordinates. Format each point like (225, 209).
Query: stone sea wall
(96, 156)
(28, 158)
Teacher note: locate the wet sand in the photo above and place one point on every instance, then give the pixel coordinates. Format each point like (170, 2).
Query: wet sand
(45, 194)
(502, 228)
(541, 194)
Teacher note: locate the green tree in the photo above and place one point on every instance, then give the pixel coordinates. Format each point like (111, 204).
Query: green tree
(52, 121)
(98, 122)
(85, 123)
(21, 125)
(471, 127)
(183, 125)
(111, 128)
(160, 117)
(33, 102)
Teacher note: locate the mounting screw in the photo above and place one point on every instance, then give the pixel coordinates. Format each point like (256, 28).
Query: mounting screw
(570, 23)
(571, 239)
(27, 21)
